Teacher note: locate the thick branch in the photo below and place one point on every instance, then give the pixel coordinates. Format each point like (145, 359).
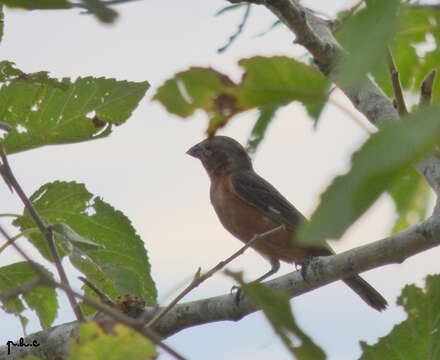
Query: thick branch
(324, 270)
(394, 249)
(314, 34)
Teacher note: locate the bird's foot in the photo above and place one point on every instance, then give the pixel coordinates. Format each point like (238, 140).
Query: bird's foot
(237, 293)
(304, 266)
(310, 269)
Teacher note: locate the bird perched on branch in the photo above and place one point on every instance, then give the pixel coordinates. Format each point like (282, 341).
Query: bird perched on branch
(247, 205)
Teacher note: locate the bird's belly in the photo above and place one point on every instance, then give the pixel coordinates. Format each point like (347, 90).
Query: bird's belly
(244, 221)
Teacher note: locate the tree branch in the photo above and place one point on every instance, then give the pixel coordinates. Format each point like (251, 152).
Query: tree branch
(45, 230)
(198, 279)
(315, 35)
(21, 290)
(323, 270)
(112, 313)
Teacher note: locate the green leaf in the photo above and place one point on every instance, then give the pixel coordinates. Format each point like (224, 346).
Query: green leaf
(120, 264)
(268, 81)
(280, 80)
(411, 195)
(366, 35)
(196, 88)
(276, 308)
(381, 161)
(123, 343)
(267, 113)
(45, 111)
(42, 299)
(417, 337)
(415, 26)
(37, 4)
(100, 10)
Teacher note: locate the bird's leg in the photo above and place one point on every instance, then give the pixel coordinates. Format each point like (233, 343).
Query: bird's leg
(305, 265)
(275, 266)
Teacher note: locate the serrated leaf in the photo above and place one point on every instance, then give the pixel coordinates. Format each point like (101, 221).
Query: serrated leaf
(196, 88)
(267, 113)
(381, 160)
(276, 308)
(268, 81)
(122, 258)
(45, 111)
(280, 80)
(417, 337)
(411, 195)
(42, 299)
(124, 343)
(366, 35)
(100, 10)
(37, 4)
(94, 274)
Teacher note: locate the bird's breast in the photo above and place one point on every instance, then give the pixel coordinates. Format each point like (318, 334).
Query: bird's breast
(240, 218)
(244, 221)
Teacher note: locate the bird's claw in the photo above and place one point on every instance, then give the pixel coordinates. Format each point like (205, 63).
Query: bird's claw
(237, 292)
(304, 266)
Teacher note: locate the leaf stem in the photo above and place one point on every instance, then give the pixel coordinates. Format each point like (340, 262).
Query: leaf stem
(199, 278)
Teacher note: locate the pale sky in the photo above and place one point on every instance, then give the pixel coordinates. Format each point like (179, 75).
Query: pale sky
(142, 168)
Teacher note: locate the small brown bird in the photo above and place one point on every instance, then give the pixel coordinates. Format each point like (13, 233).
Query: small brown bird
(247, 205)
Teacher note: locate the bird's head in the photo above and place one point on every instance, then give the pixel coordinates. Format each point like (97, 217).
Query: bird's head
(221, 155)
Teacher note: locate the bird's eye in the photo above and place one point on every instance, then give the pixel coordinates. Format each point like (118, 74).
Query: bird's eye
(208, 150)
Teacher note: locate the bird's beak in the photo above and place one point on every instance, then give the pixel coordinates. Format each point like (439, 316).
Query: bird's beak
(196, 151)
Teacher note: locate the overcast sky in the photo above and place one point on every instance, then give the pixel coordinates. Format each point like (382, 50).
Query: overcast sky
(143, 171)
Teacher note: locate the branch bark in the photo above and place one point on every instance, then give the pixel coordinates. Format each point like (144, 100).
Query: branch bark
(315, 35)
(323, 270)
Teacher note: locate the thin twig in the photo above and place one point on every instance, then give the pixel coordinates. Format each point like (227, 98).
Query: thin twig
(239, 30)
(350, 113)
(10, 215)
(102, 296)
(23, 233)
(426, 88)
(198, 278)
(397, 86)
(45, 230)
(113, 313)
(22, 289)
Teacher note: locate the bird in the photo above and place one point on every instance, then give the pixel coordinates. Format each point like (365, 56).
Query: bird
(247, 205)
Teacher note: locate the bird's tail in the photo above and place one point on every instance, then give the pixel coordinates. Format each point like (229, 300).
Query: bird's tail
(368, 293)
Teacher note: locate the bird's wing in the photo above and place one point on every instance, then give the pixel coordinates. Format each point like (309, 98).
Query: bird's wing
(257, 192)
